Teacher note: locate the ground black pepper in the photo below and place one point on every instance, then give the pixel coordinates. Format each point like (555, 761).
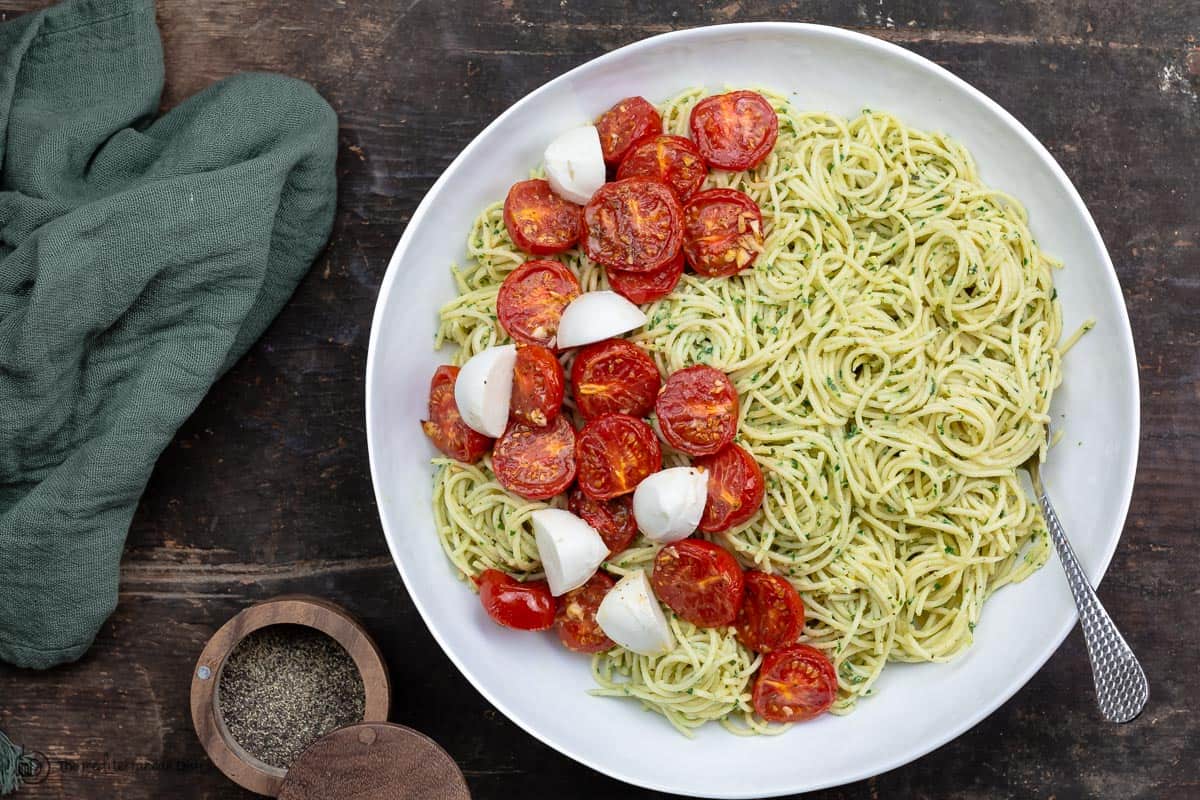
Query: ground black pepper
(285, 686)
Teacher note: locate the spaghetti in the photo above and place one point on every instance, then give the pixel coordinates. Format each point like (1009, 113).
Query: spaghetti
(895, 352)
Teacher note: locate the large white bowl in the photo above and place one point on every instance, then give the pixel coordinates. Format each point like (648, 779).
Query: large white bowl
(542, 687)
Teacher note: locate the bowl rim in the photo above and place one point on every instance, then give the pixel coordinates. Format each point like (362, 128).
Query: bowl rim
(1133, 433)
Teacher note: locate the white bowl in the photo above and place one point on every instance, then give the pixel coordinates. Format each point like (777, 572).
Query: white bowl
(541, 686)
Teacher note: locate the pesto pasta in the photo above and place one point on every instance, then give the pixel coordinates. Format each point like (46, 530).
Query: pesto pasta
(894, 349)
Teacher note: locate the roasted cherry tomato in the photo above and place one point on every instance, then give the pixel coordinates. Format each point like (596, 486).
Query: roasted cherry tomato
(538, 386)
(735, 488)
(629, 120)
(673, 160)
(646, 287)
(734, 131)
(699, 581)
(445, 426)
(612, 519)
(794, 684)
(615, 453)
(536, 463)
(575, 621)
(722, 232)
(772, 615)
(531, 300)
(697, 410)
(632, 225)
(539, 221)
(524, 606)
(614, 377)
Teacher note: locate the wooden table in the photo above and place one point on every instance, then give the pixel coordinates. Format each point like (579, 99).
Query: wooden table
(266, 490)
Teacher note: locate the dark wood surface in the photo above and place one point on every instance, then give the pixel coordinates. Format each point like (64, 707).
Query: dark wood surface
(266, 490)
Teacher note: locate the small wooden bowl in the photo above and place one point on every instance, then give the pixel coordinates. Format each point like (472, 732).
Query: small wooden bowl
(231, 758)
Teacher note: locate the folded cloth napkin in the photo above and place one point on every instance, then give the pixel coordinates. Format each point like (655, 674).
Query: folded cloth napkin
(139, 259)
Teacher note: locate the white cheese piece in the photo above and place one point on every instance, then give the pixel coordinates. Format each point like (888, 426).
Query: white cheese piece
(596, 316)
(483, 389)
(569, 548)
(631, 616)
(575, 164)
(668, 504)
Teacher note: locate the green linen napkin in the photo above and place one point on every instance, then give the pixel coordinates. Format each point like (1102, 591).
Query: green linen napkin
(139, 259)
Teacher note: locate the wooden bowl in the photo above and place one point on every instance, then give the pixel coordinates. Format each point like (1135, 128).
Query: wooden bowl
(230, 757)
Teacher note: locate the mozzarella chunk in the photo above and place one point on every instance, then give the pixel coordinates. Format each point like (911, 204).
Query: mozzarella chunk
(596, 316)
(631, 616)
(483, 389)
(668, 504)
(569, 548)
(575, 164)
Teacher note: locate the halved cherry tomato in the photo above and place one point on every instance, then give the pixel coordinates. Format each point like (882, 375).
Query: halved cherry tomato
(531, 300)
(697, 410)
(772, 615)
(536, 463)
(699, 581)
(612, 519)
(524, 606)
(673, 160)
(615, 453)
(537, 389)
(722, 232)
(734, 131)
(629, 120)
(735, 488)
(632, 225)
(614, 377)
(539, 221)
(794, 684)
(445, 426)
(646, 287)
(575, 621)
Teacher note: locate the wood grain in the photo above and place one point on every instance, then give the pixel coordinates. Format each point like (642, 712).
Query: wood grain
(375, 761)
(265, 490)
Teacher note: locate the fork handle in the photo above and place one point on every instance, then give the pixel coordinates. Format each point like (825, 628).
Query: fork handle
(1121, 688)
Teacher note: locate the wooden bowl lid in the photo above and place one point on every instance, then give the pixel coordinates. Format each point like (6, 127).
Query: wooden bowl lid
(374, 761)
(239, 765)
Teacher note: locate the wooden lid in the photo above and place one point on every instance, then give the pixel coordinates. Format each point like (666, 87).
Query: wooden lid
(374, 761)
(239, 765)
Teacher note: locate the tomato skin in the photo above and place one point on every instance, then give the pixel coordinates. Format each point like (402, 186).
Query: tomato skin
(445, 426)
(735, 488)
(535, 463)
(772, 615)
(615, 453)
(734, 131)
(575, 620)
(699, 581)
(539, 221)
(538, 386)
(794, 684)
(697, 410)
(722, 232)
(646, 287)
(612, 519)
(614, 377)
(629, 120)
(673, 160)
(633, 225)
(523, 606)
(531, 300)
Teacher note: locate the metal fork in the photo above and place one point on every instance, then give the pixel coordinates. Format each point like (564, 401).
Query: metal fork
(1121, 687)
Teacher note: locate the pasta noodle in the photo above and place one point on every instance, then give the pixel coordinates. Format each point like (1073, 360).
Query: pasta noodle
(895, 351)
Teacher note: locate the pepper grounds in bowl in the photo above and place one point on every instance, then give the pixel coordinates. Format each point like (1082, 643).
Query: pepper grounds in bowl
(285, 686)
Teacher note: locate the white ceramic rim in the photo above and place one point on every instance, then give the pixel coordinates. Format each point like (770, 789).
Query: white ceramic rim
(1133, 432)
